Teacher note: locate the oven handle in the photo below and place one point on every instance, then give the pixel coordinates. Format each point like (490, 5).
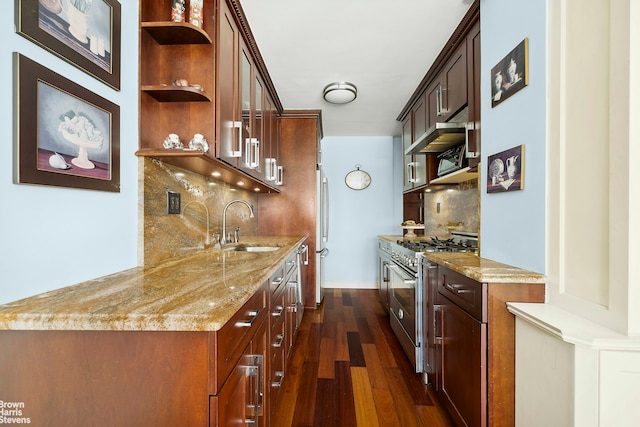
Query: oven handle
(411, 280)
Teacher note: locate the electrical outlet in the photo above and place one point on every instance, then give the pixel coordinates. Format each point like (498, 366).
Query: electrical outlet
(173, 202)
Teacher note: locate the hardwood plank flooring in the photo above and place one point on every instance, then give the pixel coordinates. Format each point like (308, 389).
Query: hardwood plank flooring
(348, 369)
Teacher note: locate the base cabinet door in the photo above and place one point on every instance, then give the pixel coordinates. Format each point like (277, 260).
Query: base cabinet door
(463, 369)
(241, 400)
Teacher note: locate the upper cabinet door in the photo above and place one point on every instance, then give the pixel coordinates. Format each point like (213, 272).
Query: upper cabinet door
(453, 96)
(229, 147)
(473, 79)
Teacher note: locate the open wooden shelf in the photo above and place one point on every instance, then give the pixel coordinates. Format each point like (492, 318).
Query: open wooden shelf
(166, 93)
(169, 32)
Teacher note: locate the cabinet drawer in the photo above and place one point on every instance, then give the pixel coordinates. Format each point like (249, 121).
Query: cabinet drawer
(467, 293)
(290, 264)
(235, 335)
(276, 280)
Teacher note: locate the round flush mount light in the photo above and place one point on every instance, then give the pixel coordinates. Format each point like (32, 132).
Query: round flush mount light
(340, 92)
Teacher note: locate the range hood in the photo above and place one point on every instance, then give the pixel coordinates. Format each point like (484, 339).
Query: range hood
(439, 137)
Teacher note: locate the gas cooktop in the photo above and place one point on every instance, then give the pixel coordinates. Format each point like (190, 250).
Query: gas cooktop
(458, 242)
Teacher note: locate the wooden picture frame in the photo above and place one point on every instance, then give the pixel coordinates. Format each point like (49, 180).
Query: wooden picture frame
(505, 170)
(510, 74)
(88, 37)
(66, 135)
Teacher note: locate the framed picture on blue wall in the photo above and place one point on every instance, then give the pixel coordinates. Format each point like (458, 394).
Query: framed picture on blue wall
(510, 74)
(67, 136)
(86, 33)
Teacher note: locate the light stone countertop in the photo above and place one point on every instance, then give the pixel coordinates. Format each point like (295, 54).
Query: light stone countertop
(477, 268)
(197, 292)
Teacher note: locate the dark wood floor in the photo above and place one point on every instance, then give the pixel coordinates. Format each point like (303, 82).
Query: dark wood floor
(348, 369)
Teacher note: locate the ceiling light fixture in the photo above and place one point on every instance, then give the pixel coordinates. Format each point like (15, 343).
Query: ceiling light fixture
(340, 92)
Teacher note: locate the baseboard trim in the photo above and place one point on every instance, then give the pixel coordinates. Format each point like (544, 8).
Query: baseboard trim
(339, 284)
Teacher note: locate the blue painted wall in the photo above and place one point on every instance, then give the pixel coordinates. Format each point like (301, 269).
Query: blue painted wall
(358, 217)
(512, 226)
(53, 237)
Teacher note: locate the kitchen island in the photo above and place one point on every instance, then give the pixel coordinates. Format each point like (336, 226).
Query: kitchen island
(147, 346)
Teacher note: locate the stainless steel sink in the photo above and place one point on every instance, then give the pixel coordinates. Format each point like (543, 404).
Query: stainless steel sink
(246, 248)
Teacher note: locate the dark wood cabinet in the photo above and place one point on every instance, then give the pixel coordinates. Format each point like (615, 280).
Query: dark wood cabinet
(453, 84)
(473, 88)
(228, 119)
(415, 165)
(450, 91)
(243, 399)
(228, 109)
(413, 208)
(463, 339)
(474, 345)
(293, 210)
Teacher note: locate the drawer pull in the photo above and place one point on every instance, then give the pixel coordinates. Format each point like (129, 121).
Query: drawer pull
(280, 376)
(249, 322)
(278, 343)
(457, 289)
(279, 312)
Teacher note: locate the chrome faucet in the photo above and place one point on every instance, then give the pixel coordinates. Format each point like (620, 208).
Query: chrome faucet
(223, 239)
(207, 238)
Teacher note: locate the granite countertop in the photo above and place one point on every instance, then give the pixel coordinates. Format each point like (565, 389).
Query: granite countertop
(196, 292)
(477, 268)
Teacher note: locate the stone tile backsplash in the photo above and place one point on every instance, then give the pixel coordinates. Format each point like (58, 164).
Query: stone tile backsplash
(452, 209)
(166, 236)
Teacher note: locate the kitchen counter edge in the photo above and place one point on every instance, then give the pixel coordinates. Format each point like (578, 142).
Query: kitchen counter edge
(196, 292)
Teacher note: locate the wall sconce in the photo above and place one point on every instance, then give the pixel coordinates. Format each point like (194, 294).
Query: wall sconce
(340, 92)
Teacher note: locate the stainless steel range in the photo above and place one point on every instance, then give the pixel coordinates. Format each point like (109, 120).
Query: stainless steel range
(408, 298)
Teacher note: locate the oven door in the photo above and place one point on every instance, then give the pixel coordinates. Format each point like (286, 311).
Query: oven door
(403, 308)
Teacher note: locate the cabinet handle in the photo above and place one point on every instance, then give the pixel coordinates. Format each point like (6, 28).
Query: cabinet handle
(440, 104)
(256, 153)
(252, 152)
(279, 312)
(438, 319)
(249, 322)
(278, 344)
(269, 169)
(305, 249)
(470, 127)
(411, 172)
(238, 152)
(457, 289)
(279, 176)
(255, 371)
(280, 375)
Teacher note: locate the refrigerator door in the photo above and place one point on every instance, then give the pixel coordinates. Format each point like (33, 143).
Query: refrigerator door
(322, 230)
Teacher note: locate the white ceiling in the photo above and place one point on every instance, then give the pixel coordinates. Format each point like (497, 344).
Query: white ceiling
(383, 47)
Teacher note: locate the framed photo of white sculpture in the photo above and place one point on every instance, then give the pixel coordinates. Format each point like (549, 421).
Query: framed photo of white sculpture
(510, 74)
(66, 135)
(506, 170)
(85, 33)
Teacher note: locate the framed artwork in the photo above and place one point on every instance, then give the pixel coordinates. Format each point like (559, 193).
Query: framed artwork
(510, 74)
(86, 33)
(66, 135)
(505, 171)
